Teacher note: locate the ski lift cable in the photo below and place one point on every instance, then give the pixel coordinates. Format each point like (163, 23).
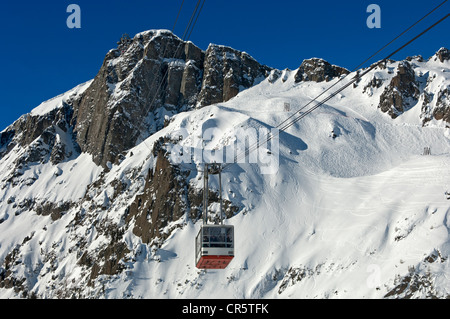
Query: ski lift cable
(400, 35)
(302, 115)
(176, 52)
(188, 32)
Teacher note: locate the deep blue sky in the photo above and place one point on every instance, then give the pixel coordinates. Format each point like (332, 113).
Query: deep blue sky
(41, 58)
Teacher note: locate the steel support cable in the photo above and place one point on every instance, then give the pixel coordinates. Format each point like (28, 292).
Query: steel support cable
(195, 22)
(178, 16)
(191, 20)
(301, 116)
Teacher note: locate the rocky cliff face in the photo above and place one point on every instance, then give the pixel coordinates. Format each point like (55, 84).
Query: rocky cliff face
(158, 74)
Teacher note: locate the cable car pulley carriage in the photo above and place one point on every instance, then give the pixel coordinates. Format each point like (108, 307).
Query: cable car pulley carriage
(214, 244)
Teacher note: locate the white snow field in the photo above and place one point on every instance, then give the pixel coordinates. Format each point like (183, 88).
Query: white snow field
(354, 216)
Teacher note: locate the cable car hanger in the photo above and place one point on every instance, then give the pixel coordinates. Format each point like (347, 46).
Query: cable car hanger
(214, 244)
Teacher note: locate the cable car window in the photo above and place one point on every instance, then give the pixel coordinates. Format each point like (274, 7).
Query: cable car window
(218, 237)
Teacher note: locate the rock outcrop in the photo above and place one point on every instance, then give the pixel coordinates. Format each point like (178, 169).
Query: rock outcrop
(402, 93)
(227, 72)
(318, 70)
(443, 54)
(163, 201)
(442, 109)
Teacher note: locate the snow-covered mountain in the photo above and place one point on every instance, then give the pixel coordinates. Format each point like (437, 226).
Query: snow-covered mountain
(94, 202)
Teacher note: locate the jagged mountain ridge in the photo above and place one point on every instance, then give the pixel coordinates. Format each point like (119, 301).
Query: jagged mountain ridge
(158, 74)
(112, 221)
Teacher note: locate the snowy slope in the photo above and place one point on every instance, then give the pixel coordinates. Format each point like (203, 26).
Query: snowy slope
(362, 214)
(57, 102)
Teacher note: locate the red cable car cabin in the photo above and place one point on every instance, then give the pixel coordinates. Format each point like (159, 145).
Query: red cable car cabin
(214, 246)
